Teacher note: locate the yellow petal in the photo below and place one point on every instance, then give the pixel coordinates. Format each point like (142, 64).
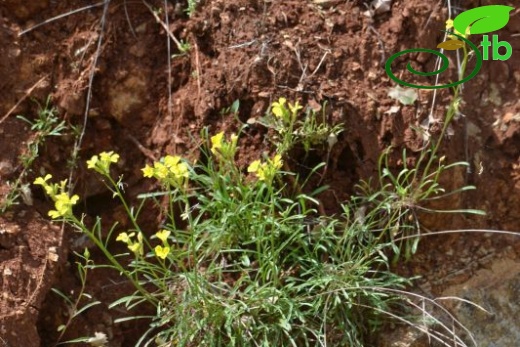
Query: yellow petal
(43, 180)
(54, 214)
(163, 235)
(92, 162)
(135, 247)
(216, 141)
(277, 161)
(180, 170)
(148, 171)
(74, 199)
(281, 101)
(162, 252)
(123, 237)
(253, 167)
(171, 161)
(261, 174)
(160, 170)
(49, 190)
(295, 108)
(109, 157)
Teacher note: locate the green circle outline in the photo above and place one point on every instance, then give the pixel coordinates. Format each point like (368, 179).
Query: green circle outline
(443, 68)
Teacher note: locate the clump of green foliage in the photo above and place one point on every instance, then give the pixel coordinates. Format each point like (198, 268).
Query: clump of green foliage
(241, 260)
(192, 7)
(47, 124)
(291, 129)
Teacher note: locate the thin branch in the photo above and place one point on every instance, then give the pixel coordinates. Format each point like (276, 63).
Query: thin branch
(27, 93)
(79, 140)
(165, 26)
(63, 15)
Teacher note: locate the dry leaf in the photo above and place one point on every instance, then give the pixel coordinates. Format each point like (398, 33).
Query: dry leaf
(451, 45)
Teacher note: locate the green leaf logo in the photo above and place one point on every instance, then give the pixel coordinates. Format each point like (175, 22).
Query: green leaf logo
(484, 19)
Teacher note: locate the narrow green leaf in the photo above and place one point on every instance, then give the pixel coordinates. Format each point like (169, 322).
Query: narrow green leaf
(482, 20)
(79, 339)
(126, 319)
(65, 297)
(235, 106)
(86, 307)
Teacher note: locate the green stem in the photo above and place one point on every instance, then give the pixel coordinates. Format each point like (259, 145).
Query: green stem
(115, 264)
(449, 115)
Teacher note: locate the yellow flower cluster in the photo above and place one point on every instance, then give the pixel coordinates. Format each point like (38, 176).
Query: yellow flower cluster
(63, 203)
(136, 246)
(219, 146)
(449, 25)
(102, 162)
(286, 113)
(170, 170)
(265, 171)
(162, 251)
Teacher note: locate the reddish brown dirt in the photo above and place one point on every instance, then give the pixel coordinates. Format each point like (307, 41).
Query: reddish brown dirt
(248, 50)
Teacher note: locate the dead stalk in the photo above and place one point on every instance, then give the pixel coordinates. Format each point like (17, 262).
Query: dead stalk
(27, 93)
(165, 27)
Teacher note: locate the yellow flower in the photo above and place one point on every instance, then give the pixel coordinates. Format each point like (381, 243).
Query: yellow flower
(43, 180)
(102, 162)
(449, 25)
(295, 108)
(234, 139)
(161, 171)
(224, 150)
(266, 171)
(216, 142)
(91, 164)
(258, 168)
(171, 161)
(148, 171)
(50, 189)
(277, 161)
(254, 166)
(175, 166)
(162, 252)
(262, 173)
(53, 214)
(278, 108)
(180, 170)
(63, 204)
(124, 237)
(109, 157)
(171, 170)
(163, 235)
(137, 247)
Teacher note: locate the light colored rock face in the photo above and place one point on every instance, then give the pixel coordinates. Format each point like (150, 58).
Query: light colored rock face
(129, 96)
(405, 337)
(492, 319)
(496, 289)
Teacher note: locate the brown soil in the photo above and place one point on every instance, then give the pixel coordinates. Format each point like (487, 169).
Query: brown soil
(248, 50)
